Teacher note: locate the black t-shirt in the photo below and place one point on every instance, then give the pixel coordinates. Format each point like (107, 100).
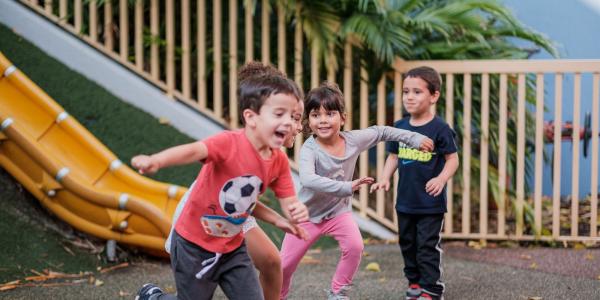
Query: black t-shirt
(416, 168)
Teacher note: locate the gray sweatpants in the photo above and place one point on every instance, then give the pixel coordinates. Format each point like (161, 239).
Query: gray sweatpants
(234, 272)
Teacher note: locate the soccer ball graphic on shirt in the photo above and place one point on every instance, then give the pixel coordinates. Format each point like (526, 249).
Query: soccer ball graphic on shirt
(239, 195)
(237, 198)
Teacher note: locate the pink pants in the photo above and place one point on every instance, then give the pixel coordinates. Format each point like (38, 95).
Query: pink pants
(344, 230)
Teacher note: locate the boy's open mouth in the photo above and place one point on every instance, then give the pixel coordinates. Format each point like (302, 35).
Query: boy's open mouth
(281, 134)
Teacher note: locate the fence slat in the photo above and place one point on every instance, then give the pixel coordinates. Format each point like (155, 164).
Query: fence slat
(233, 58)
(170, 59)
(502, 154)
(521, 123)
(108, 26)
(330, 65)
(281, 37)
(62, 11)
(364, 122)
(249, 35)
(381, 109)
(448, 226)
(186, 85)
(201, 59)
(539, 151)
(466, 157)
(298, 73)
(154, 67)
(139, 35)
(558, 80)
(397, 116)
(93, 11)
(218, 64)
(314, 68)
(48, 6)
(575, 162)
(264, 39)
(78, 12)
(123, 30)
(348, 84)
(484, 154)
(594, 175)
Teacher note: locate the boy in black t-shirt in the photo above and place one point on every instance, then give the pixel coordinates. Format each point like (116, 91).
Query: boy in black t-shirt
(421, 201)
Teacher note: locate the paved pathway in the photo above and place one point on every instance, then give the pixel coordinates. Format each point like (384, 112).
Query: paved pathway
(469, 274)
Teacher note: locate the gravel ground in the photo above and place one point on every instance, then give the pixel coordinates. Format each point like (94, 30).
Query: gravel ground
(469, 274)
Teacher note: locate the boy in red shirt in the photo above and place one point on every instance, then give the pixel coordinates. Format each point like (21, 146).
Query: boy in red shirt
(208, 247)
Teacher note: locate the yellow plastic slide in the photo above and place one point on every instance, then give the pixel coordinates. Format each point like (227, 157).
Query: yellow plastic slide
(73, 174)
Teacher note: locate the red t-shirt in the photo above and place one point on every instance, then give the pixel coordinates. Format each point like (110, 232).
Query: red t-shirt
(227, 189)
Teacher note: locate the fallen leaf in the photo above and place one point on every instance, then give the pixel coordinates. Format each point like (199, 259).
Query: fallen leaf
(309, 260)
(382, 279)
(475, 245)
(373, 267)
(164, 121)
(598, 277)
(367, 241)
(124, 294)
(579, 246)
(98, 282)
(365, 254)
(533, 265)
(8, 287)
(534, 298)
(119, 266)
(68, 250)
(314, 251)
(525, 256)
(589, 256)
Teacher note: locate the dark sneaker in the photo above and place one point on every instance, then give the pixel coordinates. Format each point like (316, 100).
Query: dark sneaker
(413, 292)
(146, 292)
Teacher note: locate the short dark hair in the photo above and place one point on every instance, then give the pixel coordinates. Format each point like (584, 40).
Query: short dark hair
(328, 95)
(429, 75)
(256, 68)
(254, 91)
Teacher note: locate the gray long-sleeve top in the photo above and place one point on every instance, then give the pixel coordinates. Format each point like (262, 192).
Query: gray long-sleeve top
(326, 180)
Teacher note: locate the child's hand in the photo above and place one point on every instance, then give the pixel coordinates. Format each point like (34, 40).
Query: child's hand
(434, 186)
(298, 212)
(358, 182)
(426, 145)
(385, 185)
(294, 229)
(144, 164)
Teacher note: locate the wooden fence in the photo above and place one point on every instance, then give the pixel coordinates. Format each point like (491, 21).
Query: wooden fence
(188, 61)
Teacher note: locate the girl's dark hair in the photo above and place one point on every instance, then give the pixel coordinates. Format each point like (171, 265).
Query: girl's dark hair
(429, 75)
(328, 96)
(254, 91)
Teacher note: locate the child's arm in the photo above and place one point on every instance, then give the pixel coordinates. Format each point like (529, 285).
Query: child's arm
(270, 216)
(371, 136)
(391, 164)
(310, 179)
(178, 155)
(293, 209)
(435, 185)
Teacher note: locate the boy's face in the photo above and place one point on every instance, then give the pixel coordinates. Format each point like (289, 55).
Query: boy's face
(296, 125)
(416, 97)
(325, 123)
(274, 121)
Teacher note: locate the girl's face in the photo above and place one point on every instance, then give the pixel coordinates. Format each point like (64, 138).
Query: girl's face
(325, 124)
(416, 97)
(296, 125)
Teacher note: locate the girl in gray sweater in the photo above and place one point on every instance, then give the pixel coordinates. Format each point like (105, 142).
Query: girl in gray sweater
(327, 162)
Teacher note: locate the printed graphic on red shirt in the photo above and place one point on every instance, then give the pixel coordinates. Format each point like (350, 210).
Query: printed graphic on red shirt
(237, 199)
